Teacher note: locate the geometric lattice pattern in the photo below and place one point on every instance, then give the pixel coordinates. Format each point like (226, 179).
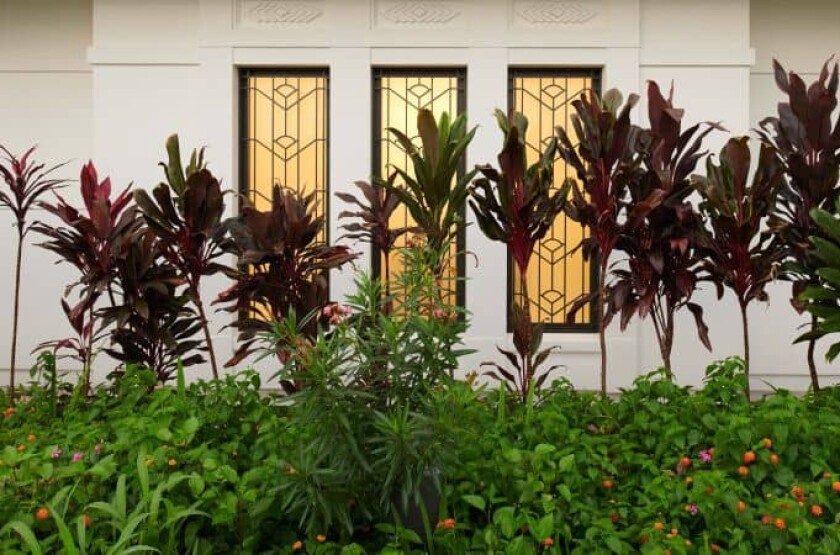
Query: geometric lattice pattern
(557, 274)
(398, 96)
(284, 129)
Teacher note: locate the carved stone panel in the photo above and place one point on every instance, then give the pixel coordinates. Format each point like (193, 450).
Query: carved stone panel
(556, 13)
(418, 13)
(279, 13)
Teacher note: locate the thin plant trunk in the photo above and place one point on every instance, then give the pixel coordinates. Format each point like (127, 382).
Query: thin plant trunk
(89, 358)
(205, 326)
(602, 336)
(746, 330)
(812, 365)
(15, 319)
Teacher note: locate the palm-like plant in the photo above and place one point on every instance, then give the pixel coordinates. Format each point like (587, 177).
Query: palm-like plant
(26, 181)
(738, 254)
(809, 148)
(434, 193)
(186, 216)
(604, 161)
(284, 269)
(515, 205)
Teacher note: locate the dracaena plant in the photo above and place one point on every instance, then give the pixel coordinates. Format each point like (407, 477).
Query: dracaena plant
(660, 235)
(153, 325)
(90, 240)
(822, 299)
(516, 205)
(604, 162)
(808, 145)
(433, 192)
(374, 214)
(737, 253)
(186, 216)
(284, 268)
(26, 180)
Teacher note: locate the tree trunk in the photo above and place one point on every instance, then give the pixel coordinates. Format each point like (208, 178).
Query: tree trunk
(812, 366)
(602, 294)
(205, 326)
(746, 330)
(15, 315)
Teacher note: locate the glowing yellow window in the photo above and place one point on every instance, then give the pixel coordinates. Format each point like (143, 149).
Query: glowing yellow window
(398, 95)
(284, 123)
(558, 274)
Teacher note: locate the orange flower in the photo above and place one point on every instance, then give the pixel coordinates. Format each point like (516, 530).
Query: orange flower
(172, 463)
(685, 462)
(8, 412)
(836, 486)
(297, 546)
(42, 514)
(826, 475)
(320, 538)
(767, 442)
(658, 526)
(449, 523)
(689, 480)
(608, 484)
(86, 520)
(741, 506)
(30, 438)
(714, 547)
(711, 451)
(749, 457)
(675, 531)
(816, 510)
(743, 470)
(774, 459)
(549, 541)
(766, 520)
(21, 448)
(780, 523)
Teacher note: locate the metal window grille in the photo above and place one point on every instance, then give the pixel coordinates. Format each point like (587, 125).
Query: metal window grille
(558, 274)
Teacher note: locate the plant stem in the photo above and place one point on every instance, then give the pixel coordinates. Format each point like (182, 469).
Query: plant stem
(206, 327)
(602, 296)
(746, 330)
(15, 317)
(812, 366)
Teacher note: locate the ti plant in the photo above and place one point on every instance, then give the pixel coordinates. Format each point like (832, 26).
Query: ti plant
(374, 220)
(738, 254)
(186, 216)
(26, 181)
(153, 325)
(90, 241)
(515, 205)
(284, 268)
(662, 227)
(822, 299)
(809, 148)
(603, 162)
(434, 194)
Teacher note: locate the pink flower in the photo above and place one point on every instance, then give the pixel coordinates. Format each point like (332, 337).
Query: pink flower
(705, 456)
(693, 509)
(56, 453)
(77, 456)
(327, 311)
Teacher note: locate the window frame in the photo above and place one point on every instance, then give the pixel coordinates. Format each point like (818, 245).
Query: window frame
(596, 74)
(459, 72)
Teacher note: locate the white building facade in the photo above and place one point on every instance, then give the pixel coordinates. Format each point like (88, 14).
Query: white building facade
(109, 80)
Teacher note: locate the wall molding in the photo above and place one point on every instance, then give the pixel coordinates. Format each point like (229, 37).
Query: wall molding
(553, 13)
(417, 13)
(278, 13)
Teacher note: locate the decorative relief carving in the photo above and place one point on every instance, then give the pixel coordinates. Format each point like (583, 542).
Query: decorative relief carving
(279, 13)
(414, 12)
(556, 12)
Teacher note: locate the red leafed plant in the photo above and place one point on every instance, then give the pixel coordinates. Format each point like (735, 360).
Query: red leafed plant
(738, 254)
(284, 269)
(661, 231)
(808, 146)
(515, 205)
(186, 216)
(90, 241)
(374, 220)
(26, 181)
(604, 161)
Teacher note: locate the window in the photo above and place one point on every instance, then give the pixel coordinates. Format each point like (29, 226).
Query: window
(283, 129)
(398, 95)
(557, 274)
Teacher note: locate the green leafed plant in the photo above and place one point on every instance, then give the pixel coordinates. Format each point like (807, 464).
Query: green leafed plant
(515, 205)
(26, 181)
(738, 254)
(434, 194)
(284, 268)
(808, 145)
(603, 161)
(186, 216)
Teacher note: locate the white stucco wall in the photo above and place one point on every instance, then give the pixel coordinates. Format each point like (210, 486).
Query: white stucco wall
(111, 79)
